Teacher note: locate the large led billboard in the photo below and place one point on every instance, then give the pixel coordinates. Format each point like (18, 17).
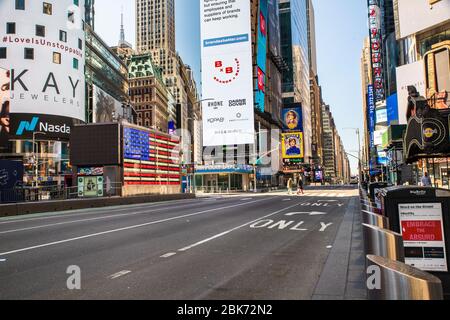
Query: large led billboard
(376, 48)
(261, 56)
(45, 56)
(292, 118)
(409, 75)
(227, 73)
(106, 108)
(4, 107)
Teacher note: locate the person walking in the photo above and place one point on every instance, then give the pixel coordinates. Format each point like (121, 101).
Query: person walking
(426, 180)
(300, 186)
(290, 185)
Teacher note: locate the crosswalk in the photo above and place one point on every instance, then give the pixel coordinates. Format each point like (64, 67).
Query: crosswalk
(332, 194)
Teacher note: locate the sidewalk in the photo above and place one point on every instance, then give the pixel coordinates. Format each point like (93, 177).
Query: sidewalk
(343, 277)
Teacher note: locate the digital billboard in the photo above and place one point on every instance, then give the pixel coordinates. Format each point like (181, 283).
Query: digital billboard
(292, 145)
(4, 107)
(227, 73)
(150, 158)
(106, 108)
(45, 57)
(261, 56)
(409, 75)
(376, 46)
(292, 118)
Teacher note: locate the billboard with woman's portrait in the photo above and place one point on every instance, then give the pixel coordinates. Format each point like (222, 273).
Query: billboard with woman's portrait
(292, 118)
(4, 106)
(292, 145)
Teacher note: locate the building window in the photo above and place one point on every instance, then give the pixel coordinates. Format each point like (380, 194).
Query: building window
(47, 8)
(76, 2)
(40, 31)
(57, 57)
(20, 4)
(29, 53)
(62, 36)
(11, 28)
(75, 63)
(71, 16)
(2, 52)
(80, 44)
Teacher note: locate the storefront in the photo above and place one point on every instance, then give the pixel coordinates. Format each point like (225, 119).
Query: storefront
(223, 178)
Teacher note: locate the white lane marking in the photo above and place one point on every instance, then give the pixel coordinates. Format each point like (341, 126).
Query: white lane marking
(247, 199)
(72, 213)
(234, 229)
(126, 228)
(168, 255)
(313, 213)
(287, 199)
(329, 247)
(2, 260)
(324, 226)
(119, 274)
(149, 210)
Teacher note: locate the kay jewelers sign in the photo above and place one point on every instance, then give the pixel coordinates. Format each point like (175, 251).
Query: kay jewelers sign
(227, 72)
(422, 228)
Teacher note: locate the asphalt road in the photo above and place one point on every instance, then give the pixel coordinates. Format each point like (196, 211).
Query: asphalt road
(269, 246)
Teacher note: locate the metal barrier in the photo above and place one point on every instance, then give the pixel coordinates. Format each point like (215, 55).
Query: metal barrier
(374, 219)
(384, 243)
(398, 281)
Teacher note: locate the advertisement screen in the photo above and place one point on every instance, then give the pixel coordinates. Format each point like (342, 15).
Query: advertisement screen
(292, 118)
(227, 73)
(106, 108)
(150, 158)
(409, 75)
(382, 116)
(46, 67)
(376, 46)
(422, 228)
(292, 145)
(274, 27)
(4, 106)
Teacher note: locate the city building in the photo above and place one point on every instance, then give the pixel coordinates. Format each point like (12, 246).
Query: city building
(295, 49)
(315, 92)
(107, 85)
(423, 33)
(155, 34)
(47, 92)
(148, 92)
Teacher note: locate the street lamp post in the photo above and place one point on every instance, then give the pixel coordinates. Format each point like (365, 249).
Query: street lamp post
(35, 158)
(358, 134)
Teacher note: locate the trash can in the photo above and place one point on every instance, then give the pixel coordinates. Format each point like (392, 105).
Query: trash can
(422, 216)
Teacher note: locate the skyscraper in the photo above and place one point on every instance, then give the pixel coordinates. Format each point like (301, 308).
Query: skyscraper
(295, 51)
(155, 25)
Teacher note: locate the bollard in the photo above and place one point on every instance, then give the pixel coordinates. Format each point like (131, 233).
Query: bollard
(393, 280)
(374, 219)
(383, 242)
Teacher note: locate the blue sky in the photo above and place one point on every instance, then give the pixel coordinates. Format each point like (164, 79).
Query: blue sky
(340, 30)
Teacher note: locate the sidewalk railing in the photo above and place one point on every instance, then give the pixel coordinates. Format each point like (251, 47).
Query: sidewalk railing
(49, 193)
(392, 278)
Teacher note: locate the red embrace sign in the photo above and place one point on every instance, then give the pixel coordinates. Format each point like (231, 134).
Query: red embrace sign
(422, 230)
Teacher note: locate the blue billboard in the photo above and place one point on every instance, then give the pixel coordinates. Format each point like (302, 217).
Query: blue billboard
(392, 109)
(371, 114)
(292, 118)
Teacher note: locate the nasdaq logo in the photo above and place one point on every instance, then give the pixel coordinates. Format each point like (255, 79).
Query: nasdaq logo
(27, 126)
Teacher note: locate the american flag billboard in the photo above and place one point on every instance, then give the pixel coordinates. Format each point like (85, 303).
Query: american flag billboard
(150, 158)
